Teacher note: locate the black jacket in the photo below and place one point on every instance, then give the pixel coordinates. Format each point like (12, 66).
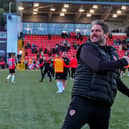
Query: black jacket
(97, 73)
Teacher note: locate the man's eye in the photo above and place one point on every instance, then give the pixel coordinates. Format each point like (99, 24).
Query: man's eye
(97, 30)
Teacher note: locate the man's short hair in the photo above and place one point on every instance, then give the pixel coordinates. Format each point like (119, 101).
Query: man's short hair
(102, 24)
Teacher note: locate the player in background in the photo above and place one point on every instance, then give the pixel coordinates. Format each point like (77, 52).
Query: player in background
(11, 66)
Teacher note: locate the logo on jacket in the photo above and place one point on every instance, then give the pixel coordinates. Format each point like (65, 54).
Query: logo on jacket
(72, 112)
(115, 58)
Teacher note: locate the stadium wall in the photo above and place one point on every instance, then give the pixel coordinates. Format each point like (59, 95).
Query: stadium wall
(68, 19)
(118, 25)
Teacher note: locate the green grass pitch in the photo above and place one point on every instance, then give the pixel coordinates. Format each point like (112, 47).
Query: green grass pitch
(29, 104)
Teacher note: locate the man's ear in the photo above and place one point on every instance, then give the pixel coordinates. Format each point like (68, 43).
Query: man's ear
(106, 35)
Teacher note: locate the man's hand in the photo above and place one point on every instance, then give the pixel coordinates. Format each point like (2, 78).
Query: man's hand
(127, 58)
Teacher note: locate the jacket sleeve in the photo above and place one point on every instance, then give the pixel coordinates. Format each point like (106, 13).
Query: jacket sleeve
(122, 87)
(89, 56)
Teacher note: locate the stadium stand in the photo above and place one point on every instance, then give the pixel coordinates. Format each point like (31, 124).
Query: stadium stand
(42, 27)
